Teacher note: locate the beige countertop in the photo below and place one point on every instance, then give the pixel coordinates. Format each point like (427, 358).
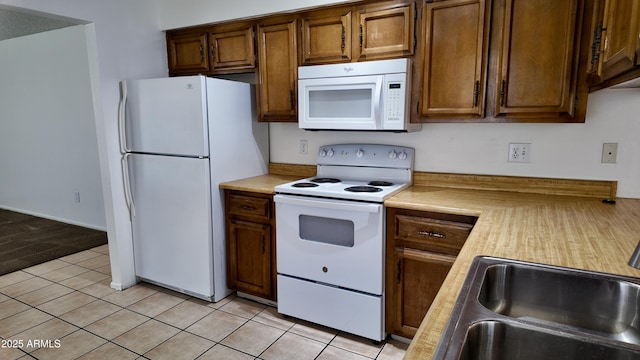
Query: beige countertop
(572, 231)
(578, 232)
(261, 184)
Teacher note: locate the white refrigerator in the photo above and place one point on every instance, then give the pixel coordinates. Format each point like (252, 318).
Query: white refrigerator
(180, 137)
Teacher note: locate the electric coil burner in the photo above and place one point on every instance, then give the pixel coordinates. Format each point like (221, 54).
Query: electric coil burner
(363, 188)
(380, 183)
(325, 180)
(330, 253)
(304, 185)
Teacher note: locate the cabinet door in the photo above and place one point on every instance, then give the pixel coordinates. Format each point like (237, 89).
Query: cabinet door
(232, 51)
(454, 64)
(384, 30)
(412, 286)
(595, 39)
(249, 257)
(537, 63)
(620, 37)
(277, 72)
(187, 53)
(326, 37)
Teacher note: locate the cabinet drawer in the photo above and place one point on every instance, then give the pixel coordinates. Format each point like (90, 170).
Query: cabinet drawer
(431, 234)
(249, 206)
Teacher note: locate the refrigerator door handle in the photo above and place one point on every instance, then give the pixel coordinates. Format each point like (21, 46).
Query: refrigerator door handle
(121, 117)
(128, 195)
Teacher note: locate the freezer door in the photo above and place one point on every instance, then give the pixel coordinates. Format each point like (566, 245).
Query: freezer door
(172, 222)
(166, 116)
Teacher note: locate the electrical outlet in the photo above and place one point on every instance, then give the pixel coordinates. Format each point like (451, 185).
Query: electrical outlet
(609, 153)
(76, 196)
(304, 147)
(519, 152)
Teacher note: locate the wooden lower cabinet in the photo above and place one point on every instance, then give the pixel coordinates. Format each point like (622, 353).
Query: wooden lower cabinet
(421, 248)
(250, 232)
(419, 275)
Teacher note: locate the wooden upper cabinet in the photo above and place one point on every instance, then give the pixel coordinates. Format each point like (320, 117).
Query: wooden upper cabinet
(538, 59)
(455, 49)
(595, 39)
(187, 52)
(620, 38)
(384, 30)
(277, 71)
(326, 36)
(232, 50)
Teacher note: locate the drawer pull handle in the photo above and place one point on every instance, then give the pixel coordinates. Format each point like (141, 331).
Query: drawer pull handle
(432, 234)
(247, 207)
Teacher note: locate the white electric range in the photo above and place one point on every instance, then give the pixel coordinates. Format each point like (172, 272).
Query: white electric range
(330, 233)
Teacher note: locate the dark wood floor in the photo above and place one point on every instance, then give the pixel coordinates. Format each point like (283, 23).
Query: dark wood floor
(27, 240)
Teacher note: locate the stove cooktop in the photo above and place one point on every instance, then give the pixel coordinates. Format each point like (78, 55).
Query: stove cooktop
(375, 190)
(365, 172)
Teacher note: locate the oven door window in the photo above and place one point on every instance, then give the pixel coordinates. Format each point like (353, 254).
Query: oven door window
(326, 230)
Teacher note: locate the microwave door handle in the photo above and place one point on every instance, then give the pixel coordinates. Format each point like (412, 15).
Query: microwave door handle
(377, 102)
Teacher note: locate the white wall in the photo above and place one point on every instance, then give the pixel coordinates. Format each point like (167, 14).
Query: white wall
(48, 144)
(557, 150)
(182, 13)
(124, 42)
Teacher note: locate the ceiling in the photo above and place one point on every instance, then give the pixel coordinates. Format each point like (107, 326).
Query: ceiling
(20, 22)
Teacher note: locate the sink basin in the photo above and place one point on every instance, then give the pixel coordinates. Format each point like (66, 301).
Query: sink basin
(595, 303)
(510, 309)
(495, 340)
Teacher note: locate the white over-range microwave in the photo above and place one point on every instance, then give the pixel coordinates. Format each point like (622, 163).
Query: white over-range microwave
(370, 95)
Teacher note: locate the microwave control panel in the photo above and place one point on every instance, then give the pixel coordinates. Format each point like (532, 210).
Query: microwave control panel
(395, 102)
(395, 97)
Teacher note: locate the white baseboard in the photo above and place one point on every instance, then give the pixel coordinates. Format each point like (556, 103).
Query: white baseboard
(45, 216)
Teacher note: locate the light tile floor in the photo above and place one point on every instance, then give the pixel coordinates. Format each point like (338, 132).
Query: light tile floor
(65, 309)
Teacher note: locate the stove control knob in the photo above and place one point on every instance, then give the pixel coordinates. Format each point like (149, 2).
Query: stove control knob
(330, 153)
(323, 153)
(360, 153)
(403, 156)
(393, 154)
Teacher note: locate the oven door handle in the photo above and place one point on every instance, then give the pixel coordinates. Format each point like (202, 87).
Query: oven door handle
(328, 204)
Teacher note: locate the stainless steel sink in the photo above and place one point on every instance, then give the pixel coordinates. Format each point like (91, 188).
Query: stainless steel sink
(610, 306)
(511, 309)
(501, 340)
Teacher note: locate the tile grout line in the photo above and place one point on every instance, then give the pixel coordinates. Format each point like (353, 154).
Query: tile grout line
(148, 318)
